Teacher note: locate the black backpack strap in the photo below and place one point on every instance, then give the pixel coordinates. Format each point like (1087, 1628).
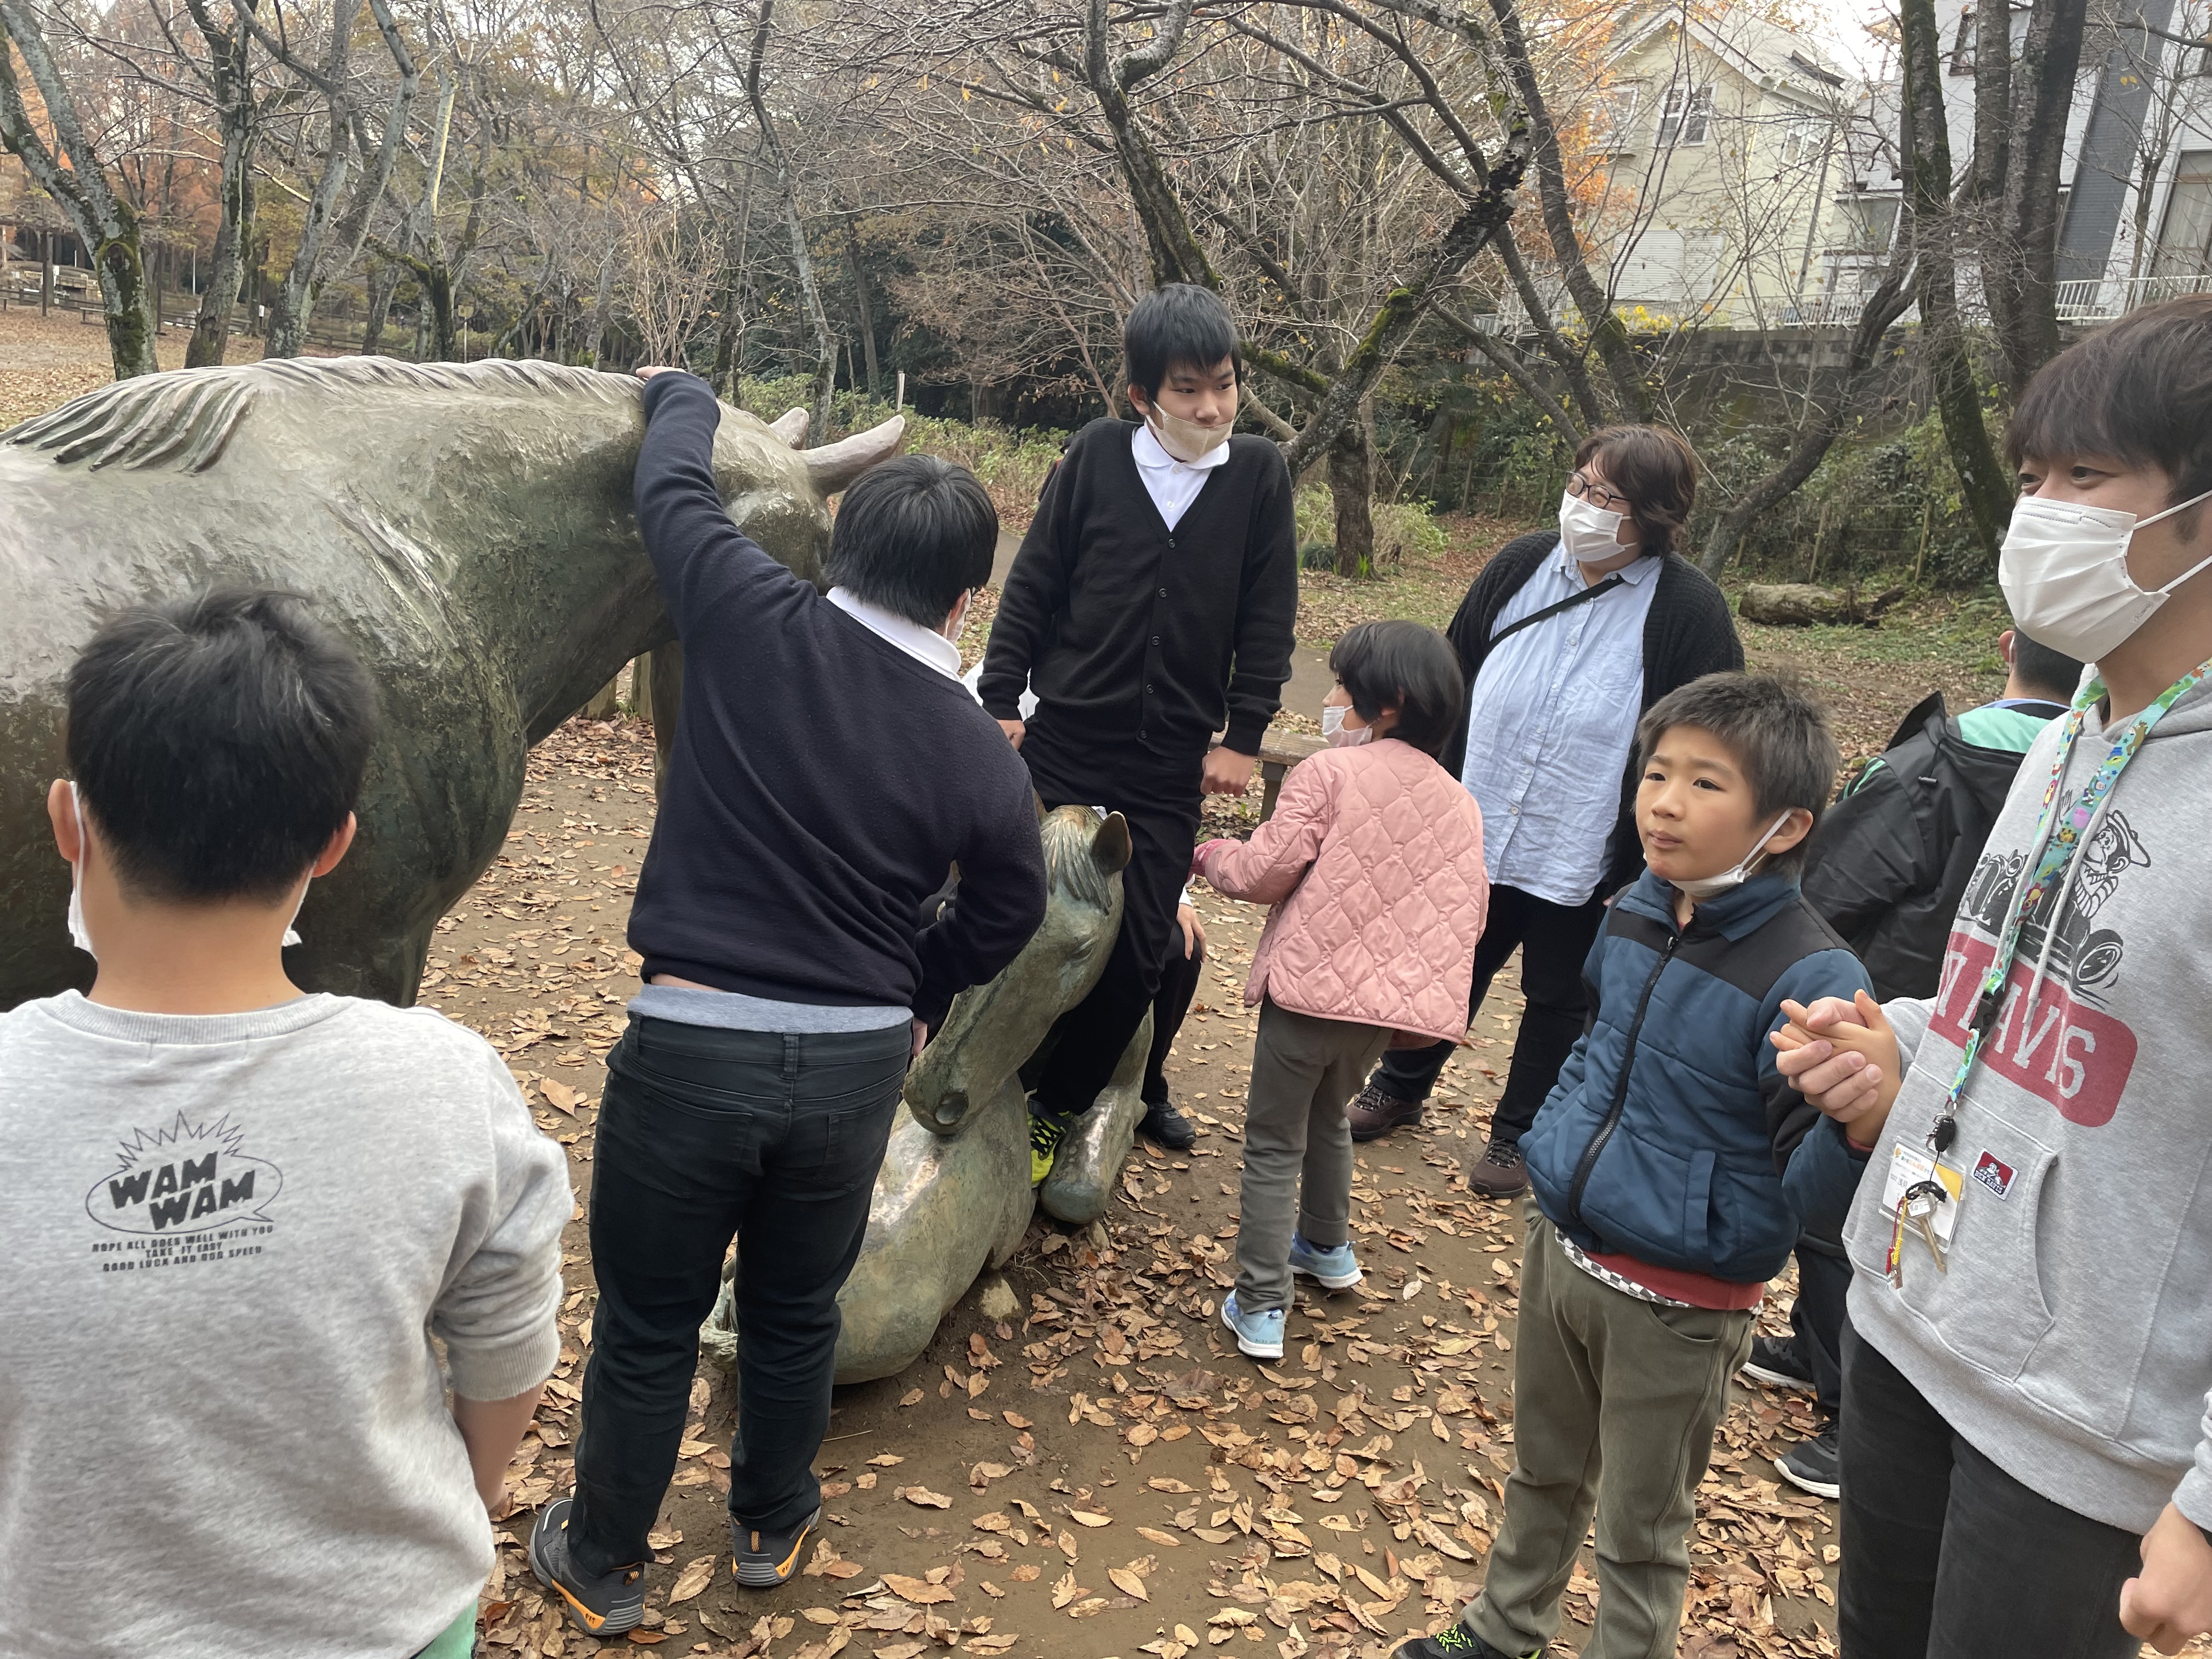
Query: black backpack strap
(1616, 580)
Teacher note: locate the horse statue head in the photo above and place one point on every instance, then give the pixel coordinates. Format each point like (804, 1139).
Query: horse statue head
(993, 1029)
(466, 527)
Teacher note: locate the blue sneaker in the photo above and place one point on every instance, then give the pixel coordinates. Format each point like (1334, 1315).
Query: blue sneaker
(1258, 1334)
(1337, 1269)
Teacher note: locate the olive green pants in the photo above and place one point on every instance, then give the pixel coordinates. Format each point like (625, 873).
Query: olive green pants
(1614, 1403)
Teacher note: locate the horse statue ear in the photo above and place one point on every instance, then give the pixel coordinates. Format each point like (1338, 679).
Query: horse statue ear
(1037, 801)
(791, 427)
(1110, 847)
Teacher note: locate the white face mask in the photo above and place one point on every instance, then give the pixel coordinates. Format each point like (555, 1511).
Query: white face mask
(1590, 534)
(1340, 736)
(1701, 887)
(81, 939)
(2064, 572)
(1186, 441)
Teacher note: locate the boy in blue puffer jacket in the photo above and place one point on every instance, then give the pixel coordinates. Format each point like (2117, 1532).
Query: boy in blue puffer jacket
(1672, 1169)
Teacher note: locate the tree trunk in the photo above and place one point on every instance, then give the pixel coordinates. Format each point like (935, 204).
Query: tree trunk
(2024, 301)
(1608, 335)
(1927, 158)
(867, 306)
(232, 236)
(383, 281)
(1351, 491)
(128, 303)
(438, 297)
(1992, 105)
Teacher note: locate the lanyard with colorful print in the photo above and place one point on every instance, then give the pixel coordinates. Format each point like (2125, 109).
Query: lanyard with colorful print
(2058, 846)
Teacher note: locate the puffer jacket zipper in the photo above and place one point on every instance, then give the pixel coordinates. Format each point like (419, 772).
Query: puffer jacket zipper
(1613, 1112)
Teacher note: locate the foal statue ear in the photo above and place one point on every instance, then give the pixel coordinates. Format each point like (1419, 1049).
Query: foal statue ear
(1038, 800)
(1110, 847)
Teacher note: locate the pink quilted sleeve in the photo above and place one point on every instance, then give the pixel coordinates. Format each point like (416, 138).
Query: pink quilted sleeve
(1264, 869)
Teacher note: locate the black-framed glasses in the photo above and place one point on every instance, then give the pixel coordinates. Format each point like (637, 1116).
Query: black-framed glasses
(1584, 489)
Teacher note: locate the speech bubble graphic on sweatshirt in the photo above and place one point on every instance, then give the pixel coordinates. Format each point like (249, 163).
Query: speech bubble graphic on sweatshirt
(184, 1179)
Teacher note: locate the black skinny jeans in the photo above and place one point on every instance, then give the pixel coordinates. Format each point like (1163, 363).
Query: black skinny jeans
(1947, 1556)
(1158, 796)
(704, 1136)
(1178, 984)
(1554, 941)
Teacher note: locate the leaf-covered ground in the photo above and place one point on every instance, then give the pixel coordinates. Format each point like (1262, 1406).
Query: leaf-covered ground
(1086, 1466)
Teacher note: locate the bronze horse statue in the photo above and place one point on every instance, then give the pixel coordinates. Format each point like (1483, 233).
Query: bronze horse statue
(953, 1197)
(466, 526)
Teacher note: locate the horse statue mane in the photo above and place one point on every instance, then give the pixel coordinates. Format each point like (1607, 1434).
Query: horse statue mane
(182, 421)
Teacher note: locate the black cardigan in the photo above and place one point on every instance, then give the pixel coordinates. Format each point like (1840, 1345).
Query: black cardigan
(1688, 633)
(1129, 632)
(822, 783)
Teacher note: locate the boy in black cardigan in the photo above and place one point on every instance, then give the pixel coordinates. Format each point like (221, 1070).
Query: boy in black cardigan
(1150, 605)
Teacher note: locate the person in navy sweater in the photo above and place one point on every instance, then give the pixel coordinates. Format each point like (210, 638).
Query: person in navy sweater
(829, 770)
(1672, 1169)
(1151, 605)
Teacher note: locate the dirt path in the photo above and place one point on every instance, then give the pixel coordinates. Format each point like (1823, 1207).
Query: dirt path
(1099, 1472)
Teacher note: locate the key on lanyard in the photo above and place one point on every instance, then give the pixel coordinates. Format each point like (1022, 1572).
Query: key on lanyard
(1918, 1208)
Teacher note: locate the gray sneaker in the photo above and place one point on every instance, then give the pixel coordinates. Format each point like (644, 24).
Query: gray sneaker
(606, 1604)
(765, 1559)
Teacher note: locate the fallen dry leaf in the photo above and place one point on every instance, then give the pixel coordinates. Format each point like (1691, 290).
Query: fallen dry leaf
(1028, 1573)
(912, 1397)
(1066, 1589)
(885, 1460)
(1159, 1537)
(1089, 1518)
(926, 1499)
(695, 1577)
(558, 1095)
(1129, 1584)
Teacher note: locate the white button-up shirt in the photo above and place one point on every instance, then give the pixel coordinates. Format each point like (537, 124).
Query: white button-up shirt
(1172, 484)
(1551, 715)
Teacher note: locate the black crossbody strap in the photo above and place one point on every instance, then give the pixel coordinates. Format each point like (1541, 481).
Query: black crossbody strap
(1616, 580)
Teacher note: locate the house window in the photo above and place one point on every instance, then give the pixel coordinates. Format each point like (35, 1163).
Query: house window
(1686, 117)
(1962, 43)
(1801, 136)
(1869, 223)
(2185, 237)
(1616, 116)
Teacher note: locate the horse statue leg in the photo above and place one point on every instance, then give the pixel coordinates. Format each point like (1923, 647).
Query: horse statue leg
(1090, 1158)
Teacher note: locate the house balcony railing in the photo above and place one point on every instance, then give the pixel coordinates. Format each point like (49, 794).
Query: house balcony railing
(2101, 299)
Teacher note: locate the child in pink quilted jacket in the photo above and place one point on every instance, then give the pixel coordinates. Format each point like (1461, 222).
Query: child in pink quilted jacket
(1373, 861)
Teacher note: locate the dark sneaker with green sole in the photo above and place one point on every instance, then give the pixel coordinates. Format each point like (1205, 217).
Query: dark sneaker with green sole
(1452, 1642)
(765, 1559)
(603, 1605)
(1047, 1130)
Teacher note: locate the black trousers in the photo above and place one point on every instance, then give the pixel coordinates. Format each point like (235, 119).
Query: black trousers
(705, 1135)
(1945, 1556)
(1159, 797)
(1824, 1283)
(1178, 984)
(1554, 940)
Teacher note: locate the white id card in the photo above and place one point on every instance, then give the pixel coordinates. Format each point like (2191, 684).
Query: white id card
(1910, 1165)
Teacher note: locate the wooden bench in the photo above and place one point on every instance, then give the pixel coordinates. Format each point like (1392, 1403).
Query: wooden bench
(1280, 750)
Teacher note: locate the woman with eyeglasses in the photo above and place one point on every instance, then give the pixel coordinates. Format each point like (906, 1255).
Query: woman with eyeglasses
(1566, 637)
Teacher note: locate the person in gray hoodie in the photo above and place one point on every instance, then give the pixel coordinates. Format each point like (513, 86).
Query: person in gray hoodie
(2026, 1458)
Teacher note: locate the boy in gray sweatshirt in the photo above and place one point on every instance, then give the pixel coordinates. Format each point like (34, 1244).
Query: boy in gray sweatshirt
(2026, 1458)
(236, 1214)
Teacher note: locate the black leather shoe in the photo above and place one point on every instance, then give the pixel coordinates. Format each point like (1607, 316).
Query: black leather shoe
(1164, 1125)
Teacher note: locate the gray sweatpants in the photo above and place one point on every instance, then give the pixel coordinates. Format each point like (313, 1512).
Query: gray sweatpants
(1297, 1145)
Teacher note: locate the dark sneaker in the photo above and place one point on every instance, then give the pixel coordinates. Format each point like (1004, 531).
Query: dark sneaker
(1778, 1361)
(605, 1605)
(1164, 1125)
(1452, 1641)
(765, 1559)
(1499, 1172)
(1047, 1130)
(1375, 1111)
(1811, 1465)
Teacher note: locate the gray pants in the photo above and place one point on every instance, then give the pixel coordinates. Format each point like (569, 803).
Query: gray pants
(1297, 1146)
(1603, 1381)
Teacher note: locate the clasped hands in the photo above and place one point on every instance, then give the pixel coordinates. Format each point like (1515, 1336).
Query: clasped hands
(1843, 1057)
